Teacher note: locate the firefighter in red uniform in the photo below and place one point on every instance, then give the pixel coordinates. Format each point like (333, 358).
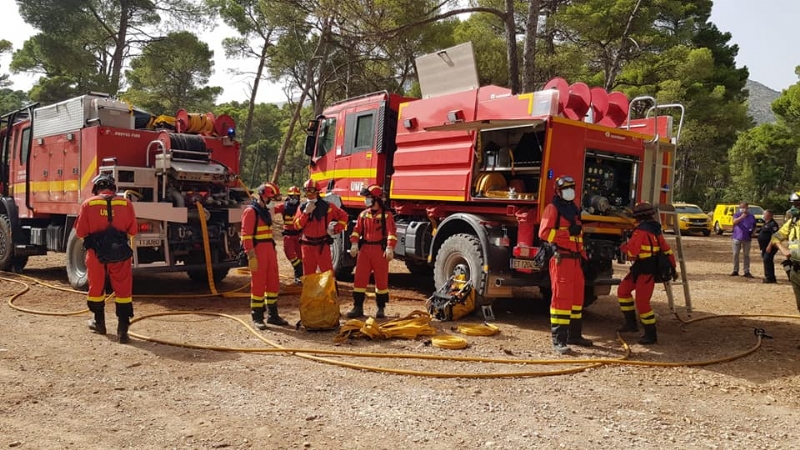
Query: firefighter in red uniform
(645, 242)
(318, 221)
(106, 222)
(373, 241)
(261, 256)
(291, 235)
(561, 227)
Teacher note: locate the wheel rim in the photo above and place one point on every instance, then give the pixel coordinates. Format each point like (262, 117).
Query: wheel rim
(453, 261)
(78, 262)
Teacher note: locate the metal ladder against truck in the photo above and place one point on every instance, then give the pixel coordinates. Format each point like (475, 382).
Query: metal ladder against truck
(655, 167)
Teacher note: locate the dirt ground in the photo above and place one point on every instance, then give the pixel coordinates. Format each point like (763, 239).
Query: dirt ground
(63, 387)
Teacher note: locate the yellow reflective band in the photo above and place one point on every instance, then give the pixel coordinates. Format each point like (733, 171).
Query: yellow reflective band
(355, 289)
(124, 300)
(381, 291)
(118, 202)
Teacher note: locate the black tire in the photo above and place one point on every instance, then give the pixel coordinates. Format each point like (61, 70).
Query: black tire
(6, 243)
(343, 263)
(718, 229)
(76, 262)
(418, 267)
(201, 275)
(459, 249)
(707, 233)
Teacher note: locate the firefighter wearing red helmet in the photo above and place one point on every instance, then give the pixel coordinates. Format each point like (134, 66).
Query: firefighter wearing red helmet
(106, 222)
(642, 248)
(372, 243)
(262, 259)
(318, 221)
(561, 227)
(291, 235)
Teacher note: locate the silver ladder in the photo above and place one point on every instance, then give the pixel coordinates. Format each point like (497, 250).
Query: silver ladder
(671, 222)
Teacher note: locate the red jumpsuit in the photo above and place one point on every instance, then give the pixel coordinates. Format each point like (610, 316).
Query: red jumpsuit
(93, 218)
(291, 236)
(638, 248)
(264, 282)
(566, 274)
(372, 230)
(315, 242)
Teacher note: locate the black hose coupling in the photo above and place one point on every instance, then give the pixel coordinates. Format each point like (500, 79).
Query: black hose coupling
(760, 332)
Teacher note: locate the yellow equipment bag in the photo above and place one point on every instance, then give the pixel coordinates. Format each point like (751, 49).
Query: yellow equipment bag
(319, 302)
(455, 299)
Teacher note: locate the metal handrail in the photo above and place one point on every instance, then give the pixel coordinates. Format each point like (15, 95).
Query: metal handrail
(655, 109)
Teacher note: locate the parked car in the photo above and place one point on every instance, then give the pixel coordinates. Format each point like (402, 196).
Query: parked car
(723, 217)
(692, 219)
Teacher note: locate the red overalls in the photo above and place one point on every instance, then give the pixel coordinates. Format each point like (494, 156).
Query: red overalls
(93, 218)
(642, 245)
(373, 230)
(315, 242)
(264, 282)
(291, 237)
(566, 274)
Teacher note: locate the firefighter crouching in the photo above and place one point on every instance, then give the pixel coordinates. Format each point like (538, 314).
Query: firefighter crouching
(262, 258)
(372, 242)
(790, 233)
(642, 247)
(106, 222)
(561, 227)
(318, 221)
(291, 235)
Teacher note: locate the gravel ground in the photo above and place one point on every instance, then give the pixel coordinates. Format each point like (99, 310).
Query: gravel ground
(63, 387)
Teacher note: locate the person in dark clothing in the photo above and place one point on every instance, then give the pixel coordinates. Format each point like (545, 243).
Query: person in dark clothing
(769, 228)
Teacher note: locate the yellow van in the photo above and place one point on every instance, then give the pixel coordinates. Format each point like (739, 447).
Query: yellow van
(723, 217)
(692, 219)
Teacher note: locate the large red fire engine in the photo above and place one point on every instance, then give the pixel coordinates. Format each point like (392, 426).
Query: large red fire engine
(167, 166)
(469, 170)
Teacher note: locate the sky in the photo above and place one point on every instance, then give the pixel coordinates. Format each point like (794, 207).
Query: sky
(765, 35)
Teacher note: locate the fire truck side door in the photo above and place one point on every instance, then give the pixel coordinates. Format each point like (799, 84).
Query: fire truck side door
(356, 166)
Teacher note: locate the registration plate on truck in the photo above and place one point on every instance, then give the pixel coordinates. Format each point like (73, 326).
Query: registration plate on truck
(148, 243)
(522, 264)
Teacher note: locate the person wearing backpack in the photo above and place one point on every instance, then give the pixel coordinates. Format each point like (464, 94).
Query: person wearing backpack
(372, 243)
(561, 227)
(291, 235)
(318, 221)
(106, 222)
(642, 247)
(262, 259)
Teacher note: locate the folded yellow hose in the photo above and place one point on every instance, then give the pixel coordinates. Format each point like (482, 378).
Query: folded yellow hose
(478, 329)
(449, 341)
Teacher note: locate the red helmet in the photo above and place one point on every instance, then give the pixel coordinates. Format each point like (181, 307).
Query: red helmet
(643, 210)
(310, 184)
(294, 190)
(372, 190)
(268, 190)
(564, 181)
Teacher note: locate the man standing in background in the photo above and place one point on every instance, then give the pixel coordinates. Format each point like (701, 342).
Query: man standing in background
(768, 256)
(744, 224)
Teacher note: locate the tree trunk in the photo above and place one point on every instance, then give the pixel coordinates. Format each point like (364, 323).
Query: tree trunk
(248, 124)
(529, 52)
(511, 47)
(119, 49)
(613, 71)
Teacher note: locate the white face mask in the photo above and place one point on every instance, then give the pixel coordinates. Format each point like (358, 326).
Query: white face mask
(568, 194)
(293, 201)
(741, 210)
(368, 202)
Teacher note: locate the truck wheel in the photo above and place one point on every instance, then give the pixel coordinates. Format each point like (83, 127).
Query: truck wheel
(458, 249)
(418, 267)
(6, 243)
(76, 263)
(343, 264)
(706, 233)
(718, 229)
(201, 276)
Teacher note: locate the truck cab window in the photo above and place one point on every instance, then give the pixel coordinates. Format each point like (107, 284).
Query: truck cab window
(365, 131)
(328, 137)
(26, 145)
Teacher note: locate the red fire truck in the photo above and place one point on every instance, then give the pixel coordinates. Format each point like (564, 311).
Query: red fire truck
(167, 166)
(469, 171)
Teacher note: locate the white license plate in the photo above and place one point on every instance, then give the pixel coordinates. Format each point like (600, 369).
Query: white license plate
(522, 264)
(148, 243)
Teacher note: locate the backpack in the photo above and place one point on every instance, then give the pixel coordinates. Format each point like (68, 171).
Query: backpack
(319, 302)
(110, 245)
(658, 265)
(452, 301)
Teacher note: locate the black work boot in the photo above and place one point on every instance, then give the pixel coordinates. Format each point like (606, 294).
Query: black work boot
(576, 334)
(358, 306)
(650, 336)
(381, 300)
(258, 318)
(560, 335)
(631, 322)
(298, 272)
(273, 317)
(98, 324)
(124, 314)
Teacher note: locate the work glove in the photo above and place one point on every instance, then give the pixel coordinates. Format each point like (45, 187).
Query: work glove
(674, 274)
(332, 229)
(310, 207)
(353, 250)
(252, 264)
(388, 254)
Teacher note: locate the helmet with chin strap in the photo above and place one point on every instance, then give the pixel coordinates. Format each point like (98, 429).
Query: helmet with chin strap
(103, 182)
(372, 190)
(643, 210)
(294, 190)
(269, 190)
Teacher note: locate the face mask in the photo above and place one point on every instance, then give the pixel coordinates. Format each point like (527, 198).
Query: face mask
(741, 210)
(294, 200)
(368, 202)
(568, 194)
(794, 211)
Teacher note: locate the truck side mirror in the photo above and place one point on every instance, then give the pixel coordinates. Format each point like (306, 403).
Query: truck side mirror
(310, 144)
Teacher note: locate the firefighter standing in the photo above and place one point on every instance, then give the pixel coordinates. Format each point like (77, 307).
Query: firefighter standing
(372, 242)
(291, 235)
(98, 214)
(261, 256)
(790, 232)
(561, 227)
(642, 247)
(318, 221)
